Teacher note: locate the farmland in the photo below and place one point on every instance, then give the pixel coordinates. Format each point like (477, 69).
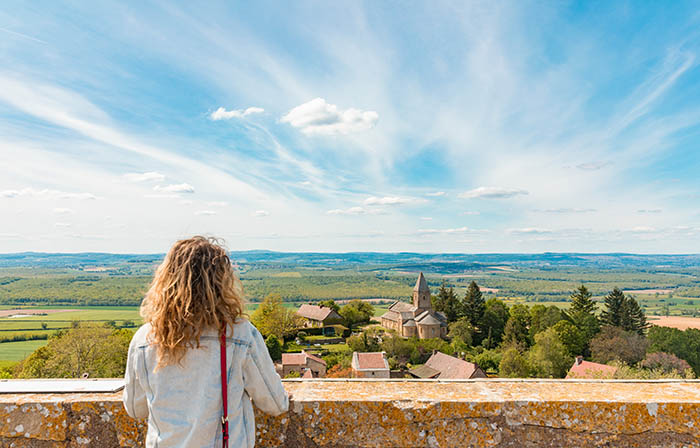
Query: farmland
(106, 289)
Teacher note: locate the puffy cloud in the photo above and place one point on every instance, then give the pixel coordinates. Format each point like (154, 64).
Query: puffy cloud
(492, 193)
(62, 224)
(390, 200)
(205, 213)
(63, 211)
(445, 231)
(321, 118)
(46, 194)
(261, 213)
(175, 188)
(223, 114)
(217, 204)
(150, 176)
(436, 193)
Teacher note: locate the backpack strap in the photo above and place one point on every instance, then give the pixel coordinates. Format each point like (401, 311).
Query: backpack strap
(224, 386)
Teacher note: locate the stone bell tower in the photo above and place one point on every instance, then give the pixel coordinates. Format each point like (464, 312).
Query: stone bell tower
(421, 295)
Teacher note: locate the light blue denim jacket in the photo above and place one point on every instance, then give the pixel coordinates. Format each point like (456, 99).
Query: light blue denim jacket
(183, 402)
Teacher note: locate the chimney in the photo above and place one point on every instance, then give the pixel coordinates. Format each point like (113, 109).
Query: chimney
(579, 360)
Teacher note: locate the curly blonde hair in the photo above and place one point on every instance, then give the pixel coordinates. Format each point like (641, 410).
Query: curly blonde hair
(195, 288)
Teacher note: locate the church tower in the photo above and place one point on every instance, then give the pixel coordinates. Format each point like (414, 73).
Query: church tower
(421, 294)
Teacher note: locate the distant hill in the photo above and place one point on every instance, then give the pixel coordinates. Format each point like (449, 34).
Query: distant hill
(409, 261)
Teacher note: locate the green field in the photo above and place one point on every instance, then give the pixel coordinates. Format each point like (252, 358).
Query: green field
(17, 351)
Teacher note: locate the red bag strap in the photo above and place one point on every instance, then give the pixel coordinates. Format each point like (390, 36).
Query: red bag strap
(224, 387)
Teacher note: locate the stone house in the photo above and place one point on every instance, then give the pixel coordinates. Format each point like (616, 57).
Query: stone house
(443, 366)
(417, 319)
(318, 315)
(370, 365)
(301, 363)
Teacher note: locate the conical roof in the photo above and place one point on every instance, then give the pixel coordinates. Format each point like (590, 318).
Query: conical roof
(421, 284)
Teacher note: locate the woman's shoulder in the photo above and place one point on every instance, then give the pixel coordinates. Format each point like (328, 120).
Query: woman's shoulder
(141, 335)
(243, 329)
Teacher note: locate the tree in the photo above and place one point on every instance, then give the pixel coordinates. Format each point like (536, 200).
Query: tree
(614, 343)
(666, 362)
(271, 317)
(543, 317)
(588, 325)
(633, 317)
(582, 301)
(614, 308)
(330, 303)
(93, 350)
(685, 344)
(516, 331)
(549, 358)
(571, 337)
(338, 371)
(473, 305)
(461, 332)
(44, 325)
(513, 364)
(274, 347)
(446, 302)
(492, 323)
(356, 311)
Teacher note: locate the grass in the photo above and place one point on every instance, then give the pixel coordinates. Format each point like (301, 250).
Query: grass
(17, 351)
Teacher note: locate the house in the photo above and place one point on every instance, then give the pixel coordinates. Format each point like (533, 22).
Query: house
(318, 315)
(444, 366)
(590, 370)
(417, 319)
(301, 363)
(370, 365)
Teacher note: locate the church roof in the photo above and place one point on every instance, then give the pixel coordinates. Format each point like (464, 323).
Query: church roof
(409, 323)
(402, 307)
(392, 315)
(428, 320)
(421, 284)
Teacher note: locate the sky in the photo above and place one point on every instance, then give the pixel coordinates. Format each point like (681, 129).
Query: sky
(432, 126)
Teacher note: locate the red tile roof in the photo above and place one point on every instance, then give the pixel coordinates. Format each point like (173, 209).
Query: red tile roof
(299, 359)
(371, 361)
(315, 312)
(454, 368)
(587, 369)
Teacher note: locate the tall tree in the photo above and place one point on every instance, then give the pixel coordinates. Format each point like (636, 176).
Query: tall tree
(330, 303)
(473, 305)
(613, 314)
(516, 331)
(634, 318)
(492, 323)
(582, 300)
(549, 356)
(446, 301)
(272, 317)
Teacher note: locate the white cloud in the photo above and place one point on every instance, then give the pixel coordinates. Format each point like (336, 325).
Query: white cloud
(162, 196)
(445, 231)
(349, 211)
(470, 213)
(261, 213)
(319, 117)
(150, 176)
(175, 188)
(437, 193)
(46, 194)
(205, 213)
(642, 229)
(653, 210)
(63, 211)
(217, 204)
(530, 231)
(62, 224)
(223, 114)
(426, 218)
(390, 200)
(492, 193)
(592, 166)
(565, 210)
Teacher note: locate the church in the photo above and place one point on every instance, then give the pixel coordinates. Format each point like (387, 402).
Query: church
(416, 320)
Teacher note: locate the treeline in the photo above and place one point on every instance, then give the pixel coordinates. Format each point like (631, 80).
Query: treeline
(75, 290)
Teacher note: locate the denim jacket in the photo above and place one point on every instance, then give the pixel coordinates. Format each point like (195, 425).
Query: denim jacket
(183, 402)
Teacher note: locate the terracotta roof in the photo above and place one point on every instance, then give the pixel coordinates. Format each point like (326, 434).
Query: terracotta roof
(308, 374)
(315, 312)
(299, 359)
(424, 372)
(587, 369)
(374, 360)
(421, 284)
(453, 368)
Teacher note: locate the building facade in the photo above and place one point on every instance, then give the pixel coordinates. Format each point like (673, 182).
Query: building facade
(370, 365)
(417, 319)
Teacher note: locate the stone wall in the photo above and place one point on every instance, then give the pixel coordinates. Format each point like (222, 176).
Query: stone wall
(416, 413)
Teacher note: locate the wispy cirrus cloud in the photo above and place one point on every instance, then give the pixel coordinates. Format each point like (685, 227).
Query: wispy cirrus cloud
(46, 194)
(150, 176)
(356, 211)
(317, 117)
(261, 213)
(492, 193)
(205, 213)
(223, 114)
(391, 200)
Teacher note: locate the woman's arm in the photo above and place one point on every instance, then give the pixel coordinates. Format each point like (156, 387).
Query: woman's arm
(134, 396)
(261, 381)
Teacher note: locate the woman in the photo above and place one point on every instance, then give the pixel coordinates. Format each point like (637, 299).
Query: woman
(176, 364)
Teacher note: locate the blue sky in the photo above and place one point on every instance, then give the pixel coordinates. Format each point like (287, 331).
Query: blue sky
(348, 126)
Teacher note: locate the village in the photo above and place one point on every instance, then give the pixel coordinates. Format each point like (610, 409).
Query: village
(416, 321)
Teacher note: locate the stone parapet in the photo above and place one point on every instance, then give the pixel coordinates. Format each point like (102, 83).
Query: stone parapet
(393, 413)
